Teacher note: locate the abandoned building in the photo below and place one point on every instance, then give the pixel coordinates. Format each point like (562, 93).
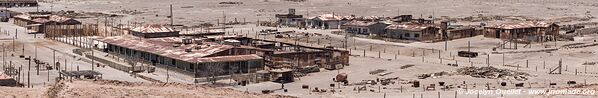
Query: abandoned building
(412, 31)
(37, 22)
(290, 55)
(402, 18)
(364, 27)
(327, 21)
(154, 31)
(199, 56)
(449, 31)
(291, 19)
(190, 55)
(457, 32)
(18, 3)
(530, 31)
(6, 80)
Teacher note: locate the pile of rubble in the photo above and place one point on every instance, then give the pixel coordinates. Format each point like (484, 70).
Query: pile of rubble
(433, 75)
(493, 73)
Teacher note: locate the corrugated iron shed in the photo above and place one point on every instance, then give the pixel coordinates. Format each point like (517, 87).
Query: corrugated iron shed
(518, 25)
(165, 47)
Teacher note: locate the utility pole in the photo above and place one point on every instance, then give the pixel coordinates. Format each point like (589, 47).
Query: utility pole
(488, 60)
(54, 59)
(171, 17)
(3, 56)
(224, 23)
(65, 67)
(469, 50)
(167, 74)
(36, 67)
(23, 52)
(29, 77)
(503, 59)
(92, 60)
(29, 68)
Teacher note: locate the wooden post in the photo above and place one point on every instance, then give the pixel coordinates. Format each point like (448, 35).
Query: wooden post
(455, 94)
(423, 55)
(488, 60)
(398, 51)
(544, 63)
(503, 59)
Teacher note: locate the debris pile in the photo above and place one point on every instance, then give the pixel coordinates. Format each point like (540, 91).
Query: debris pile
(406, 66)
(230, 2)
(589, 63)
(377, 71)
(129, 12)
(433, 75)
(295, 0)
(493, 73)
(481, 17)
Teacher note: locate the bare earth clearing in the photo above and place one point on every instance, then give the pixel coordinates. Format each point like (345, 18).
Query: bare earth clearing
(117, 89)
(379, 54)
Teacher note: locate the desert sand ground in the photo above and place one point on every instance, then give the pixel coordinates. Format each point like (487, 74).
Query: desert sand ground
(370, 54)
(193, 12)
(112, 88)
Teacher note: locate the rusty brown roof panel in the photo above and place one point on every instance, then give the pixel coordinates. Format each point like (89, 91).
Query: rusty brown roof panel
(518, 25)
(409, 27)
(359, 23)
(229, 58)
(161, 46)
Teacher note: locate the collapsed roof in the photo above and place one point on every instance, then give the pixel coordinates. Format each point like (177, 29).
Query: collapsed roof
(519, 25)
(165, 47)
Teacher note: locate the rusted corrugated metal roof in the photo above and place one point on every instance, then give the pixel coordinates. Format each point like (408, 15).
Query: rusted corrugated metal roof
(153, 28)
(359, 23)
(41, 20)
(199, 31)
(23, 16)
(229, 58)
(59, 19)
(409, 27)
(164, 47)
(518, 25)
(331, 17)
